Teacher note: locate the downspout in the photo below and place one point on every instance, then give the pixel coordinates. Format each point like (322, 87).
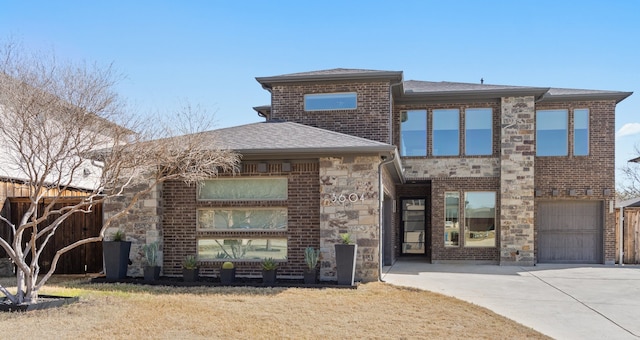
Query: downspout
(621, 237)
(380, 216)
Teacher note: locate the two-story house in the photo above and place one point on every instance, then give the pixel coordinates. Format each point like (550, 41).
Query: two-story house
(441, 171)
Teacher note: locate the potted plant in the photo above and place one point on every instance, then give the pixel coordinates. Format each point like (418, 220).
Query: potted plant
(227, 273)
(116, 256)
(151, 269)
(269, 269)
(346, 260)
(311, 256)
(190, 270)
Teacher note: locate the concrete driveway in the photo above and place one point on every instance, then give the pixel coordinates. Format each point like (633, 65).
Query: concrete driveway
(561, 301)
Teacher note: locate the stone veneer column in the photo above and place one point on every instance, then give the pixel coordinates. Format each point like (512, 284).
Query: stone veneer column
(517, 158)
(349, 204)
(141, 225)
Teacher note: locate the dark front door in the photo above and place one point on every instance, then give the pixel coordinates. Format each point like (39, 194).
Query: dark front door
(413, 227)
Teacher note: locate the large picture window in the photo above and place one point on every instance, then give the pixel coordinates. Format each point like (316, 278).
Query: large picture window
(478, 132)
(222, 249)
(551, 133)
(413, 133)
(581, 132)
(446, 132)
(242, 219)
(239, 189)
(330, 101)
(480, 219)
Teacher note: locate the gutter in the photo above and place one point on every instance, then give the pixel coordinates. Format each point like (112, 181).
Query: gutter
(380, 216)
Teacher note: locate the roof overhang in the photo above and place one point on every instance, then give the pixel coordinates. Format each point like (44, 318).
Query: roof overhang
(635, 160)
(617, 96)
(470, 95)
(268, 82)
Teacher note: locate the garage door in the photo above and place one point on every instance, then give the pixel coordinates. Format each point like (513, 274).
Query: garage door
(569, 232)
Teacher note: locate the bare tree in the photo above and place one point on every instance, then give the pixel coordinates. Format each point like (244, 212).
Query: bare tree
(630, 187)
(63, 127)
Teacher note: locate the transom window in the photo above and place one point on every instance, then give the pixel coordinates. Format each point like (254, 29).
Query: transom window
(330, 101)
(250, 189)
(446, 132)
(551, 133)
(478, 132)
(413, 133)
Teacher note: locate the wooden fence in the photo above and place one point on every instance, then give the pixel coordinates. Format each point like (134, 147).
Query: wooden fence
(631, 237)
(84, 259)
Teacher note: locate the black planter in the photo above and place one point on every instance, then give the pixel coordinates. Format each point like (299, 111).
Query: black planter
(269, 276)
(346, 263)
(151, 273)
(190, 275)
(227, 276)
(310, 276)
(116, 259)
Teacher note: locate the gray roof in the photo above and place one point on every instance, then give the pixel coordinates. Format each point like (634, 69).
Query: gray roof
(274, 137)
(331, 75)
(635, 160)
(411, 86)
(559, 94)
(631, 203)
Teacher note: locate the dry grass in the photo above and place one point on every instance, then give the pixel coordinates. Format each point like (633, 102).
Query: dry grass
(374, 310)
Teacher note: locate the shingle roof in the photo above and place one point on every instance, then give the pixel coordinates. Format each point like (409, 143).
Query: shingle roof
(289, 137)
(331, 74)
(411, 86)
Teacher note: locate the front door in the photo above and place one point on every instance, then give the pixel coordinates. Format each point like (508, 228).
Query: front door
(413, 227)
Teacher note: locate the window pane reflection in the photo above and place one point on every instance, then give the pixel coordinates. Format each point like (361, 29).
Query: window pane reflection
(451, 223)
(480, 219)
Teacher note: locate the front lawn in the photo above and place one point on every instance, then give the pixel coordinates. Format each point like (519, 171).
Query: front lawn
(374, 310)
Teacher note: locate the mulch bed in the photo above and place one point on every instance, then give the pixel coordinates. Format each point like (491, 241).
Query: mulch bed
(215, 282)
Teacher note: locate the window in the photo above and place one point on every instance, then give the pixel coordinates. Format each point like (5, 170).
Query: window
(242, 219)
(446, 136)
(242, 249)
(330, 101)
(551, 133)
(478, 132)
(413, 133)
(451, 223)
(581, 132)
(480, 219)
(250, 189)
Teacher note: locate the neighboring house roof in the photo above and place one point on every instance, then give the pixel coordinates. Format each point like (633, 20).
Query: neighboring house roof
(630, 203)
(331, 75)
(275, 137)
(635, 160)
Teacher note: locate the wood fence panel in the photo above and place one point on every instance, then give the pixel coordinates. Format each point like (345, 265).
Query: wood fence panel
(84, 259)
(631, 237)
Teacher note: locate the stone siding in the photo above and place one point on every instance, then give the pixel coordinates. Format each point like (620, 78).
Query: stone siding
(349, 204)
(142, 225)
(517, 163)
(425, 168)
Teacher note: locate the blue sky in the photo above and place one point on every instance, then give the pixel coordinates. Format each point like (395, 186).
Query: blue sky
(209, 52)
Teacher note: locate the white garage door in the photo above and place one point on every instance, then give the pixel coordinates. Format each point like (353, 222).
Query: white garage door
(569, 231)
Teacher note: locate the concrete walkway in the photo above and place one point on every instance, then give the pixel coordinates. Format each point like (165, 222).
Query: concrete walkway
(561, 301)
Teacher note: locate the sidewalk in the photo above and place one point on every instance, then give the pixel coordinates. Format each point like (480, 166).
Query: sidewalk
(562, 301)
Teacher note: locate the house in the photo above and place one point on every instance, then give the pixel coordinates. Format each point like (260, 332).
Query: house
(445, 172)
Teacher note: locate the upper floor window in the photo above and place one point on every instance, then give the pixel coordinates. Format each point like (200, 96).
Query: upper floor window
(581, 132)
(551, 133)
(330, 101)
(413, 133)
(478, 132)
(446, 132)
